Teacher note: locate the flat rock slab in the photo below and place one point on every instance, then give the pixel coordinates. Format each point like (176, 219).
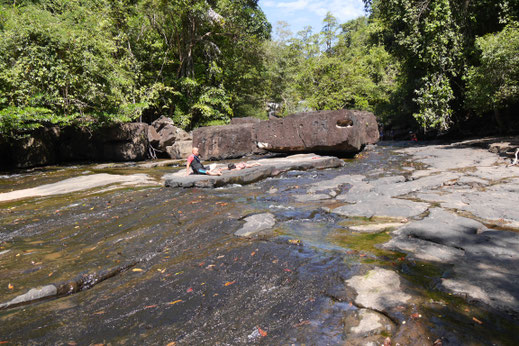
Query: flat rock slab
(383, 207)
(255, 224)
(376, 227)
(80, 183)
(269, 168)
(378, 290)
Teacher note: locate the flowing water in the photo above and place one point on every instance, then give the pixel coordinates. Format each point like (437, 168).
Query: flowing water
(153, 265)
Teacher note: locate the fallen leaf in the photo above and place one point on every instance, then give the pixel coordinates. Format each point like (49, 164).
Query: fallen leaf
(136, 270)
(294, 241)
(181, 272)
(438, 342)
(262, 332)
(221, 256)
(175, 302)
(362, 255)
(275, 261)
(230, 283)
(100, 312)
(161, 270)
(210, 266)
(287, 270)
(416, 315)
(72, 343)
(9, 286)
(50, 274)
(387, 341)
(150, 306)
(189, 290)
(173, 343)
(476, 320)
(253, 253)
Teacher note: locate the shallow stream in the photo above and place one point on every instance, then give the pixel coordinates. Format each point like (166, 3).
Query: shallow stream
(154, 265)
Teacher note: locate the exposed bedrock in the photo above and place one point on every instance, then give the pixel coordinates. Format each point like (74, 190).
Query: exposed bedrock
(342, 132)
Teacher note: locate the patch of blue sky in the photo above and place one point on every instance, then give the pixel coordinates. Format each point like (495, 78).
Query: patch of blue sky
(301, 13)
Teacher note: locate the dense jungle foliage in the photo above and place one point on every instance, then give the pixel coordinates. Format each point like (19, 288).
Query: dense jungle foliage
(428, 63)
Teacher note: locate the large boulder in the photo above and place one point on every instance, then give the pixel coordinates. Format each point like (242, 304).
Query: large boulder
(226, 141)
(245, 120)
(180, 149)
(165, 133)
(126, 142)
(342, 132)
(39, 148)
(153, 137)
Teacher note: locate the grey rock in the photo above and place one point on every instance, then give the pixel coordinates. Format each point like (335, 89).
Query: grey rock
(255, 224)
(376, 227)
(33, 294)
(383, 207)
(335, 183)
(424, 250)
(379, 290)
(269, 168)
(370, 323)
(311, 197)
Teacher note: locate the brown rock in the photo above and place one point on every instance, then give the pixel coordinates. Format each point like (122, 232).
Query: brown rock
(226, 141)
(161, 122)
(245, 120)
(341, 131)
(37, 149)
(127, 142)
(180, 149)
(153, 137)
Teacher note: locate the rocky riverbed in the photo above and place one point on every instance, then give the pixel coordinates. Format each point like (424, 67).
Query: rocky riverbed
(416, 243)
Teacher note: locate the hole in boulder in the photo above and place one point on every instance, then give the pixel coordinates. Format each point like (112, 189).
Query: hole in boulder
(344, 123)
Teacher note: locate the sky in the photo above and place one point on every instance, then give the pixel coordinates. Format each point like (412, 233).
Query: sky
(301, 13)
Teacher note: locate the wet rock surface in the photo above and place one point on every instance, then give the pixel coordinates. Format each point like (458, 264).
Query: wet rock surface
(153, 265)
(255, 224)
(268, 168)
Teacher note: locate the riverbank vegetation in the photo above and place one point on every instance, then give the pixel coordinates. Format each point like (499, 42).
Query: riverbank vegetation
(430, 64)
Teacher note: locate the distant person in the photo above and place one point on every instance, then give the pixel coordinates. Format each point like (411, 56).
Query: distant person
(413, 137)
(241, 165)
(193, 161)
